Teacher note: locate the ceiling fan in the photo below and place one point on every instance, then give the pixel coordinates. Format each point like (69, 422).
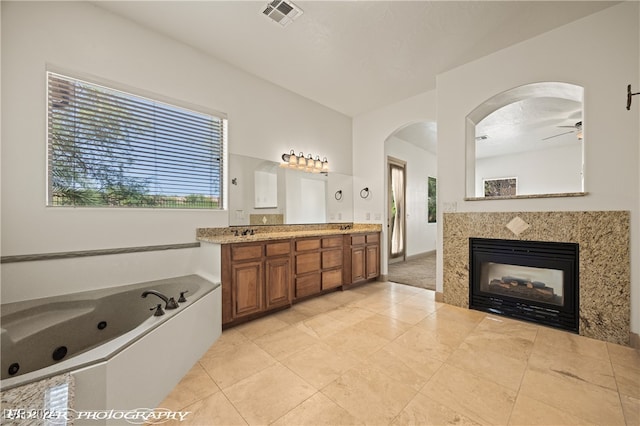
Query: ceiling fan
(576, 128)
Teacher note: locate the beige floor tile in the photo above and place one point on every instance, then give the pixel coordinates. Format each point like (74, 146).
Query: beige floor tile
(261, 326)
(428, 343)
(530, 412)
(319, 364)
(342, 298)
(350, 314)
(593, 403)
(316, 306)
(355, 342)
(322, 325)
(408, 314)
(376, 302)
(507, 345)
(464, 316)
(235, 362)
(384, 326)
(286, 341)
(623, 355)
(416, 359)
(369, 395)
(393, 366)
(422, 301)
(195, 385)
(369, 288)
(318, 410)
(628, 380)
(214, 410)
(481, 400)
(422, 410)
(292, 315)
(550, 340)
(492, 365)
(266, 396)
(574, 367)
(631, 409)
(509, 327)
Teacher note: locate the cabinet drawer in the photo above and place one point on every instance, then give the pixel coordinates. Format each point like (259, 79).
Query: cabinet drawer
(304, 245)
(277, 249)
(357, 240)
(308, 285)
(331, 279)
(373, 238)
(246, 252)
(332, 242)
(308, 262)
(331, 258)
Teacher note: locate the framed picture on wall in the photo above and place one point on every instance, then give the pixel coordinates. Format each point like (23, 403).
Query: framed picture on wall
(500, 187)
(431, 200)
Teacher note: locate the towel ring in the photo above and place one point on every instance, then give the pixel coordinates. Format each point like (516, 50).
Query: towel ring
(338, 195)
(364, 192)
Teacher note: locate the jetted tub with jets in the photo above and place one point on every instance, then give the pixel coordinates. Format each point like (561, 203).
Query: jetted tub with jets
(111, 336)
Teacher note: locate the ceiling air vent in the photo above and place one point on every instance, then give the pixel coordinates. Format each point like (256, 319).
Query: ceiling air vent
(282, 12)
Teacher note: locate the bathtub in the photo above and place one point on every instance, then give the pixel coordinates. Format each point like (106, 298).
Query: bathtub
(120, 354)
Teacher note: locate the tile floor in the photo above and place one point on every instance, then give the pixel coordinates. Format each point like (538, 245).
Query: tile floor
(389, 354)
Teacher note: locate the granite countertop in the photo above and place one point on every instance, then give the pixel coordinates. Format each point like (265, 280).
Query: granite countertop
(280, 232)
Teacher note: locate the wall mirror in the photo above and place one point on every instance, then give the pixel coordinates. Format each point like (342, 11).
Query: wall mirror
(527, 141)
(263, 193)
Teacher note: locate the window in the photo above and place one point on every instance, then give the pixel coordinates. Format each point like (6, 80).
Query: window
(108, 148)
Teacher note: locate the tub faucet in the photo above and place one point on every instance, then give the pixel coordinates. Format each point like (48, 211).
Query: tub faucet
(169, 303)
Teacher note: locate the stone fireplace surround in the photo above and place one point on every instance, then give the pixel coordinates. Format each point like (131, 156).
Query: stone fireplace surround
(605, 265)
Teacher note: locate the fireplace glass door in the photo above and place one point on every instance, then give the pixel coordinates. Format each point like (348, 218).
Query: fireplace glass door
(531, 280)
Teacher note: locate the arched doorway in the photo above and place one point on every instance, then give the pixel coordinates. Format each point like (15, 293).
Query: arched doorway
(411, 169)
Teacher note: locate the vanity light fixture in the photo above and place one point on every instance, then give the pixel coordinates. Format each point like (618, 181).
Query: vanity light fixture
(306, 164)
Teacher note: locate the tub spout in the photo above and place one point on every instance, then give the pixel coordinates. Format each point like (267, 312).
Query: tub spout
(169, 303)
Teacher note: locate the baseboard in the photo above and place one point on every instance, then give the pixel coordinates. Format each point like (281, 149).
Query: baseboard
(439, 296)
(634, 340)
(415, 256)
(383, 277)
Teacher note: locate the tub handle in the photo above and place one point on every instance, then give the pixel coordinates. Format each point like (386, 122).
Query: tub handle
(182, 298)
(158, 310)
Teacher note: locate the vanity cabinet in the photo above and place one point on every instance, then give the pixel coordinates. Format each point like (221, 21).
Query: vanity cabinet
(364, 257)
(256, 278)
(318, 264)
(263, 276)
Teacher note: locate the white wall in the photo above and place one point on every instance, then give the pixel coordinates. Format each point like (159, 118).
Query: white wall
(553, 170)
(420, 235)
(264, 121)
(370, 131)
(600, 53)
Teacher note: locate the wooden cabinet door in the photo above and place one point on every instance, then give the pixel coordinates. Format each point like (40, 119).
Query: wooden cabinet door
(357, 264)
(247, 285)
(373, 261)
(278, 282)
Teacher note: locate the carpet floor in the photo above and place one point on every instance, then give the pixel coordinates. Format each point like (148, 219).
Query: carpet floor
(417, 272)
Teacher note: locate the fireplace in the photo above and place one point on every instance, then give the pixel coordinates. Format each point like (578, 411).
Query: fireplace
(530, 280)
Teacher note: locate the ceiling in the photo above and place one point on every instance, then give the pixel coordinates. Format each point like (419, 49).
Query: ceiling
(353, 56)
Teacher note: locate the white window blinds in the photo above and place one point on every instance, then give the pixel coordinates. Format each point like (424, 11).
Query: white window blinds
(108, 148)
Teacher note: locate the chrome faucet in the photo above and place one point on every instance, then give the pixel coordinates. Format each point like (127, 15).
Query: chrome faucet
(169, 303)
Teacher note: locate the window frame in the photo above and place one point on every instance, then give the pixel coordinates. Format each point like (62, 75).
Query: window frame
(152, 97)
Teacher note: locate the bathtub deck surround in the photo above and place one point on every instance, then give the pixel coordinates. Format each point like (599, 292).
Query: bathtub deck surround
(604, 274)
(107, 356)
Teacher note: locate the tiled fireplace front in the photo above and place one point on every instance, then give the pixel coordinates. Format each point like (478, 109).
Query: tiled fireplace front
(604, 265)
